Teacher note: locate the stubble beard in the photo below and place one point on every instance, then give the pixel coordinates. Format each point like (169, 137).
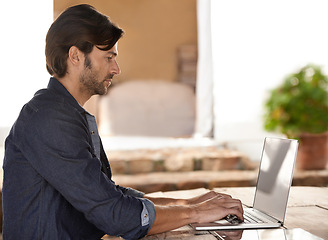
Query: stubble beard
(89, 80)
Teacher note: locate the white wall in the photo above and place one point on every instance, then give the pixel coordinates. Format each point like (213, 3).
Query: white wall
(23, 25)
(256, 44)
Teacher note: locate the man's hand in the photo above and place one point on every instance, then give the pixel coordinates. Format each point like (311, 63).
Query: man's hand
(218, 207)
(208, 207)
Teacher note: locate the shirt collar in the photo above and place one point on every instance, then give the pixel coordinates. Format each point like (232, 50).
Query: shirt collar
(55, 85)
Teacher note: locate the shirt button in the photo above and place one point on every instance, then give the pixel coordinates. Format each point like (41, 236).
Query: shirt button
(146, 215)
(92, 132)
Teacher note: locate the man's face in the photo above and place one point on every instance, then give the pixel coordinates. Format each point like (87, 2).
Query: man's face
(100, 68)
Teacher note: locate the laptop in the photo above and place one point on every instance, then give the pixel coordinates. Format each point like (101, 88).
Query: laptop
(272, 189)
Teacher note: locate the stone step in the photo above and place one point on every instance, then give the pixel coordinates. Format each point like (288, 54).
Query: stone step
(170, 181)
(177, 160)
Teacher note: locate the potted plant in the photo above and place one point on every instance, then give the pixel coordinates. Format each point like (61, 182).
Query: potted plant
(298, 108)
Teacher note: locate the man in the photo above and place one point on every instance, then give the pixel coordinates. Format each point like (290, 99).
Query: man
(57, 179)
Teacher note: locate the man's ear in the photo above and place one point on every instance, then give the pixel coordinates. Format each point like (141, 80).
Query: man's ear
(75, 55)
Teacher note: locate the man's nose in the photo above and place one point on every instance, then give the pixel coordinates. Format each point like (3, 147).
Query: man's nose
(116, 68)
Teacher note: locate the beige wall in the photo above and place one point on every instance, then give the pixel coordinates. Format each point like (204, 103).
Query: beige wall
(154, 29)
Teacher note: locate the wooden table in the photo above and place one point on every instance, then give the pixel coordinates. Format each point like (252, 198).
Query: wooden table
(307, 209)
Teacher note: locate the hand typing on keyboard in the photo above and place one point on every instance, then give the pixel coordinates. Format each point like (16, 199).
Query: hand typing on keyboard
(233, 219)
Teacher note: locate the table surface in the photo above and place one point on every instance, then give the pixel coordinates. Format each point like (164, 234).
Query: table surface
(307, 209)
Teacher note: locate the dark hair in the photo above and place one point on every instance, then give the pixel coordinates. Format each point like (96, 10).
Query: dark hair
(81, 26)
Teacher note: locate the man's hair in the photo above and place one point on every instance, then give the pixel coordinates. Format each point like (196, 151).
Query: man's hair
(81, 26)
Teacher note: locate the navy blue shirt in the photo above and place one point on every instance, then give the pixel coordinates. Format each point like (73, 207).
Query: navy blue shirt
(57, 180)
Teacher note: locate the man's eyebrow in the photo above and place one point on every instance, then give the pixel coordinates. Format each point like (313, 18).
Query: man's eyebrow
(111, 52)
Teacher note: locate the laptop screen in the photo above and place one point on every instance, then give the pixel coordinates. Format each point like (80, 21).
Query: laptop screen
(275, 176)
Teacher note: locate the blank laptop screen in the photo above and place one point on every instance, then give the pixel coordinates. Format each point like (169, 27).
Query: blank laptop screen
(275, 176)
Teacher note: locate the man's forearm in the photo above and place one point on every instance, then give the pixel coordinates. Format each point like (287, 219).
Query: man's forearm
(172, 217)
(194, 200)
(163, 201)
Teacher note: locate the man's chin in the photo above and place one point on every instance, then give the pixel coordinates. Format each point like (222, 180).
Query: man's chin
(104, 91)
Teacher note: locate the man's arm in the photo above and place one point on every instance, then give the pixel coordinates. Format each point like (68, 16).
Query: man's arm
(174, 216)
(173, 201)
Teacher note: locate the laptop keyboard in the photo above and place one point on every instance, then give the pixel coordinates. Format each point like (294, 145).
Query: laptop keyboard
(248, 218)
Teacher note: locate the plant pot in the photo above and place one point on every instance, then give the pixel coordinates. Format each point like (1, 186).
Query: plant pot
(312, 152)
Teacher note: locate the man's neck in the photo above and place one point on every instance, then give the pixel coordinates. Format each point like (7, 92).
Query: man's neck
(74, 88)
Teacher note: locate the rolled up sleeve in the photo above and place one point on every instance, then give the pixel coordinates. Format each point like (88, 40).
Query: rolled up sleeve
(147, 218)
(148, 213)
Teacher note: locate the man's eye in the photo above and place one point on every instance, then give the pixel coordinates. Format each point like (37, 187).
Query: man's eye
(110, 57)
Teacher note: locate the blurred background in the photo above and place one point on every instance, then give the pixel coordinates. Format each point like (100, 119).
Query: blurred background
(194, 72)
